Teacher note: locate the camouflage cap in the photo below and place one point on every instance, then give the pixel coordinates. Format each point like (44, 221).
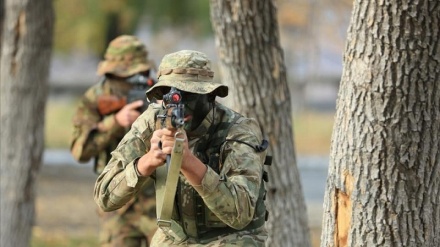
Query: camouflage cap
(126, 55)
(186, 70)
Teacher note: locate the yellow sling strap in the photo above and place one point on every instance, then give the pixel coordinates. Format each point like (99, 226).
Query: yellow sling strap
(167, 177)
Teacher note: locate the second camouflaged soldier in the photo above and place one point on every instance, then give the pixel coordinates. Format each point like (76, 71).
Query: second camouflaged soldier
(103, 116)
(220, 192)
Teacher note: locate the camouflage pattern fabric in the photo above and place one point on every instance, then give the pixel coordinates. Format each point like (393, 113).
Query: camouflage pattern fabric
(95, 136)
(189, 71)
(208, 149)
(232, 195)
(131, 226)
(251, 238)
(125, 56)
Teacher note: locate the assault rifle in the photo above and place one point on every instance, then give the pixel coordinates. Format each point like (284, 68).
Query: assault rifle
(174, 111)
(108, 104)
(141, 84)
(167, 176)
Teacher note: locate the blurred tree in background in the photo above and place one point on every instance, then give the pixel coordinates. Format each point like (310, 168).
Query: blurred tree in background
(89, 25)
(180, 13)
(252, 62)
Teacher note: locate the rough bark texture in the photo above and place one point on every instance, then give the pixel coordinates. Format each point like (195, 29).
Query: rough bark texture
(25, 56)
(384, 177)
(252, 64)
(2, 18)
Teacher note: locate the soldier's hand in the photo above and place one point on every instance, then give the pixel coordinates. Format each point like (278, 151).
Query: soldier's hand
(128, 114)
(168, 138)
(156, 156)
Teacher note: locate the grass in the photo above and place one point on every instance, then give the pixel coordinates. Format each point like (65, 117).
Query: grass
(312, 130)
(91, 241)
(58, 126)
(62, 240)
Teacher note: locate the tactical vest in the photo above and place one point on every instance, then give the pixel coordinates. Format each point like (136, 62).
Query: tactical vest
(196, 219)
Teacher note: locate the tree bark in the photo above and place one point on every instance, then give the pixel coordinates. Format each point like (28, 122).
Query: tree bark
(252, 64)
(384, 174)
(25, 56)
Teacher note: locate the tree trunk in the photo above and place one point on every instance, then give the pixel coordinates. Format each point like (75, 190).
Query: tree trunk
(384, 174)
(252, 63)
(2, 18)
(25, 57)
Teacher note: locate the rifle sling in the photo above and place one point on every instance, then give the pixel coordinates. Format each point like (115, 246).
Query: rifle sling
(167, 177)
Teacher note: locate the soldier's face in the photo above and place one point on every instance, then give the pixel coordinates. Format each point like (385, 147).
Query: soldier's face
(196, 109)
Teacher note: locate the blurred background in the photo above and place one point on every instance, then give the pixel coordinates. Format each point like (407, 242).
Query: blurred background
(312, 35)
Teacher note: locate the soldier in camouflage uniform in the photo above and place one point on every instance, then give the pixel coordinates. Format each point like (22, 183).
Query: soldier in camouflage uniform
(96, 134)
(220, 193)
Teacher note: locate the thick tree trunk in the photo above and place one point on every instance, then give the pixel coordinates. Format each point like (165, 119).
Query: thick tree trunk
(252, 63)
(25, 57)
(2, 18)
(384, 177)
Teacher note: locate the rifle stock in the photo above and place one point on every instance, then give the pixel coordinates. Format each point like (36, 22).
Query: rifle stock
(108, 104)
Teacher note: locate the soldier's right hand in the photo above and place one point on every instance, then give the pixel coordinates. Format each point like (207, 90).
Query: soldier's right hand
(128, 114)
(155, 157)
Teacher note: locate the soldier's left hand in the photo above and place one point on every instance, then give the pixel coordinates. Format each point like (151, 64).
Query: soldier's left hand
(169, 138)
(128, 114)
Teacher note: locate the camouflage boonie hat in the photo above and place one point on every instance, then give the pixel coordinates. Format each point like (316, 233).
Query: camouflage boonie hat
(186, 70)
(125, 56)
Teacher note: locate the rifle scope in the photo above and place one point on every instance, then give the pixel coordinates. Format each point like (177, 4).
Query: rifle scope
(173, 97)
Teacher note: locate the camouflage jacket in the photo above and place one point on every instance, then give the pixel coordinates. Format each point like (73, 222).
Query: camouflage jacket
(231, 194)
(96, 135)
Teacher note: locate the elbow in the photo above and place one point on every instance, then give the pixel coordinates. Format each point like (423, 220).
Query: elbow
(101, 203)
(107, 209)
(104, 204)
(238, 222)
(241, 224)
(81, 159)
(79, 155)
(103, 200)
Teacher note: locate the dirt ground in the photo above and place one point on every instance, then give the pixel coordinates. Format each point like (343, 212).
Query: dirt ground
(64, 204)
(65, 208)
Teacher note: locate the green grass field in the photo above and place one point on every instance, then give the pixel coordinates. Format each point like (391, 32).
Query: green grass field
(312, 132)
(55, 240)
(58, 125)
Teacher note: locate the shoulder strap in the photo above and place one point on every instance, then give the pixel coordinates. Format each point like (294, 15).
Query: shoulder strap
(167, 177)
(209, 148)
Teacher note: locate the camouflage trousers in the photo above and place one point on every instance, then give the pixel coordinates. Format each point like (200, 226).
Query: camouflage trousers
(256, 237)
(130, 226)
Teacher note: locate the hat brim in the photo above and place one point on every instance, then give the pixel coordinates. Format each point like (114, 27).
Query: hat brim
(118, 69)
(199, 87)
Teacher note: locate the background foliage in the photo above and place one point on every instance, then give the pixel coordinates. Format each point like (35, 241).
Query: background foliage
(89, 25)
